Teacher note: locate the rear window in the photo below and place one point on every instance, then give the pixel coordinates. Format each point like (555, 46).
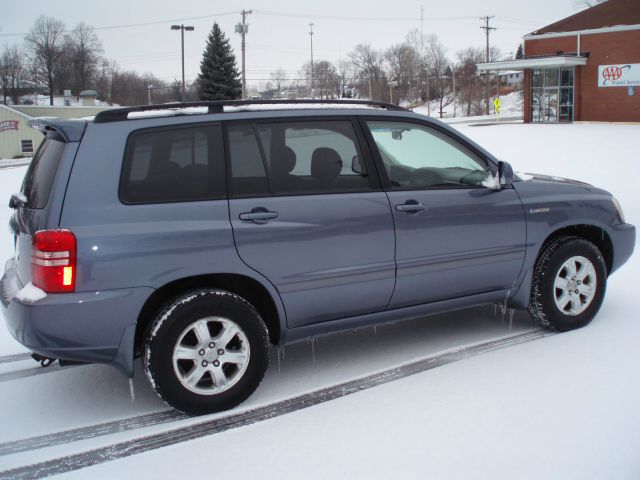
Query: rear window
(39, 178)
(176, 165)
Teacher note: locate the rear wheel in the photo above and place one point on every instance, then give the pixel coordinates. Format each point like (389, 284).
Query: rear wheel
(206, 352)
(569, 282)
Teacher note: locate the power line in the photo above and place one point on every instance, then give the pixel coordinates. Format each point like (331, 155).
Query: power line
(134, 25)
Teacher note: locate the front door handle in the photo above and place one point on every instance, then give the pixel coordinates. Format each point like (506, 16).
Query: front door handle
(258, 215)
(411, 206)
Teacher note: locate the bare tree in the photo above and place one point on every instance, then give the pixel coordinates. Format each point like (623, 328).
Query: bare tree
(368, 63)
(440, 71)
(279, 78)
(104, 79)
(346, 76)
(86, 49)
(12, 72)
(326, 80)
(403, 60)
(45, 40)
(469, 87)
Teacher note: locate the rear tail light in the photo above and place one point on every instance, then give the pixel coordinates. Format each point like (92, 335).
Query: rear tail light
(53, 261)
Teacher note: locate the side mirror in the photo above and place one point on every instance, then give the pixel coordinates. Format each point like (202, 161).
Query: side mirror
(505, 174)
(355, 165)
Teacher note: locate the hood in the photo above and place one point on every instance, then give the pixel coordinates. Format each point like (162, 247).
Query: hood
(525, 177)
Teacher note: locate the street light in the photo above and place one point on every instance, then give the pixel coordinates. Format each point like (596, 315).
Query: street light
(182, 28)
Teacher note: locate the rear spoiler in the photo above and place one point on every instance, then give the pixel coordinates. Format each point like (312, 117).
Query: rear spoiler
(69, 130)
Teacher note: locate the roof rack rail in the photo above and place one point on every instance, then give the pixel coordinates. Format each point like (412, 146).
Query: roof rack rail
(217, 106)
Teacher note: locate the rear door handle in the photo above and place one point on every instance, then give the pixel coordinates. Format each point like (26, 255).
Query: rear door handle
(258, 215)
(411, 206)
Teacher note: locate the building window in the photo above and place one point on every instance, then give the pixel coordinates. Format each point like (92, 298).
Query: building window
(552, 95)
(26, 146)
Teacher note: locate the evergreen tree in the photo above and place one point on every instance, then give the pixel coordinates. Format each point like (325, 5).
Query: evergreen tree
(519, 52)
(176, 90)
(218, 78)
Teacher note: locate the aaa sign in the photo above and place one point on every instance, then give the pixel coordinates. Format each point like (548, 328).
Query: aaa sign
(8, 125)
(627, 75)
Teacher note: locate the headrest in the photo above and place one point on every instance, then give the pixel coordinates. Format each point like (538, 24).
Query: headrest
(283, 161)
(326, 164)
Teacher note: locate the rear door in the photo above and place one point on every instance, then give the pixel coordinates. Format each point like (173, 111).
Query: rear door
(454, 236)
(307, 215)
(43, 197)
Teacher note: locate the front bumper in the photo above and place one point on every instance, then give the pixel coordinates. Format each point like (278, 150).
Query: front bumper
(623, 238)
(92, 327)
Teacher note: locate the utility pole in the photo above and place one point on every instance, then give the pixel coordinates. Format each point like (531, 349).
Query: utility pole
(149, 87)
(311, 37)
(420, 66)
(243, 29)
(453, 79)
(182, 28)
(487, 31)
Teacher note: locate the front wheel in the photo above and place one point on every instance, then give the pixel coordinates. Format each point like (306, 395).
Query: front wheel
(569, 282)
(206, 352)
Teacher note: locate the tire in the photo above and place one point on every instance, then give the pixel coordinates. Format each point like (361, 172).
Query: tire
(206, 351)
(569, 283)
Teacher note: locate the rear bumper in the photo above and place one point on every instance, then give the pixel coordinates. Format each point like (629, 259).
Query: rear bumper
(93, 327)
(623, 238)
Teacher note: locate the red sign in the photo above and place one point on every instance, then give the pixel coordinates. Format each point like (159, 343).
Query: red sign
(612, 73)
(8, 125)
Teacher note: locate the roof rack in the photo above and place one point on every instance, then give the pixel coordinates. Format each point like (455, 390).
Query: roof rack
(217, 106)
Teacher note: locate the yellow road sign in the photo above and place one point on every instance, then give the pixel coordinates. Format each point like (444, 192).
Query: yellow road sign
(496, 105)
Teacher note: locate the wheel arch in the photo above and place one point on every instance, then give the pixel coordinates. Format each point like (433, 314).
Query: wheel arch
(248, 288)
(593, 233)
(596, 235)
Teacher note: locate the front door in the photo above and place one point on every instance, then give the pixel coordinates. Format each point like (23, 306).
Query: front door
(307, 216)
(455, 236)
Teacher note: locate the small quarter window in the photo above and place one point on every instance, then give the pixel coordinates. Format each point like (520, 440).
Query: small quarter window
(183, 164)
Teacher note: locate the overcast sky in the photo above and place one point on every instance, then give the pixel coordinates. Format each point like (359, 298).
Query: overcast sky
(279, 31)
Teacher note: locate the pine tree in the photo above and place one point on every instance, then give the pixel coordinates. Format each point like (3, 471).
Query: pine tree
(519, 52)
(218, 78)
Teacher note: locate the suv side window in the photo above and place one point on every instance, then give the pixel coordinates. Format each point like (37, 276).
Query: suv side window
(41, 173)
(416, 156)
(295, 158)
(173, 165)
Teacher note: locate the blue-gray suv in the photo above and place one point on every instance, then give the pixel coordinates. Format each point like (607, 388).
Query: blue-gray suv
(194, 235)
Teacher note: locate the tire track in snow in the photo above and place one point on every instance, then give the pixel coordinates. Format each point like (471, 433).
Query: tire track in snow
(91, 431)
(209, 427)
(18, 357)
(30, 372)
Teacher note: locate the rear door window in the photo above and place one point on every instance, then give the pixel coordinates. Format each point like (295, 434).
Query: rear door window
(175, 165)
(303, 157)
(41, 173)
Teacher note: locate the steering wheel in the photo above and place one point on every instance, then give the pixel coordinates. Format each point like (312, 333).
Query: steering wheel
(424, 177)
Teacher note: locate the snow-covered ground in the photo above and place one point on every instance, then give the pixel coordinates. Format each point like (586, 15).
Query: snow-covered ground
(510, 107)
(565, 406)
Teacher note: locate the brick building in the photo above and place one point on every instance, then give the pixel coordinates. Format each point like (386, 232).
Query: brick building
(585, 67)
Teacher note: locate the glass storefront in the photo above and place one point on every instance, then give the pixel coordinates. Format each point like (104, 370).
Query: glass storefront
(552, 95)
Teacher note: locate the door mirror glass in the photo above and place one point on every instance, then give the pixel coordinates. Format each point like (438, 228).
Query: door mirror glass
(505, 172)
(355, 165)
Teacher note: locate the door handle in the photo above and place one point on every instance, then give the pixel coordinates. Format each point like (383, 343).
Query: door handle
(258, 215)
(411, 206)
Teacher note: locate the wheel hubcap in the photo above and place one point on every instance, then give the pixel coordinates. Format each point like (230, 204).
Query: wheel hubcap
(211, 355)
(575, 286)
